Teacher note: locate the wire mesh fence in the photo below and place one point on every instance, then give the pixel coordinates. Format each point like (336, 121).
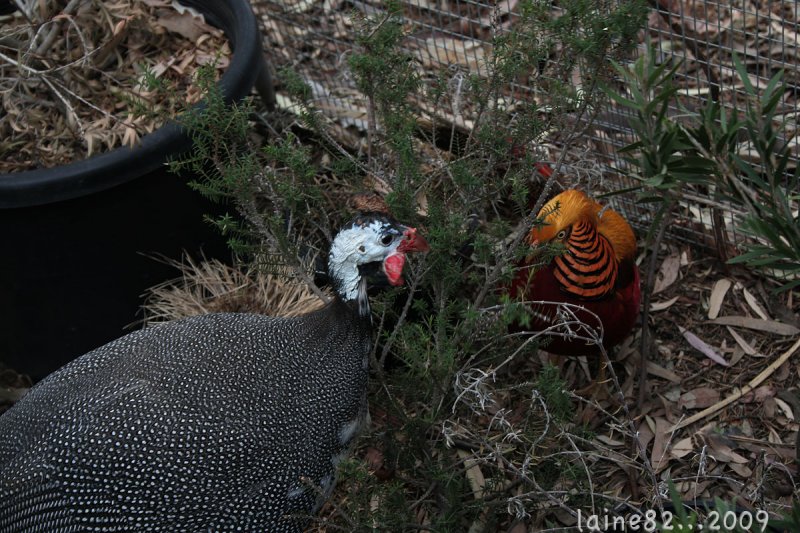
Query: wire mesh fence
(453, 39)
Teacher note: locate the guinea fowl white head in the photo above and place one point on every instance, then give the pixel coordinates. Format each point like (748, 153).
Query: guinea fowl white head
(221, 422)
(374, 238)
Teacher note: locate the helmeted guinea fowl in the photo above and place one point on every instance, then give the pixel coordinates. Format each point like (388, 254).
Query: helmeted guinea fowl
(222, 422)
(596, 273)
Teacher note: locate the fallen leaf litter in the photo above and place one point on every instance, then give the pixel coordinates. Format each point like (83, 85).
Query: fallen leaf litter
(73, 77)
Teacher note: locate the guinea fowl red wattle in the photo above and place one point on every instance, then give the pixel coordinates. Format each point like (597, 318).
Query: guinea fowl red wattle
(596, 273)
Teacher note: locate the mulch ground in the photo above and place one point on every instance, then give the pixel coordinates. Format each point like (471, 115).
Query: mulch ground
(80, 78)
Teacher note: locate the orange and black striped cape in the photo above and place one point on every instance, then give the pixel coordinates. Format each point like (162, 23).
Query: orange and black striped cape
(595, 272)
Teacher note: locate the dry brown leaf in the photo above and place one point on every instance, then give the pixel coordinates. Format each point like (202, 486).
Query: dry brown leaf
(184, 24)
(682, 448)
(477, 481)
(673, 394)
(754, 305)
(702, 346)
(743, 470)
(698, 398)
(188, 59)
(769, 407)
(787, 410)
(658, 457)
(668, 273)
(660, 306)
(737, 355)
(645, 434)
(650, 423)
(375, 502)
(717, 297)
(773, 444)
(661, 372)
(782, 373)
(608, 441)
(161, 67)
(769, 326)
(722, 448)
(759, 394)
(749, 350)
(773, 437)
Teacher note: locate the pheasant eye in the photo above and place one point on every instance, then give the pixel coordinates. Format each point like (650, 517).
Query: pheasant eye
(362, 248)
(386, 240)
(561, 234)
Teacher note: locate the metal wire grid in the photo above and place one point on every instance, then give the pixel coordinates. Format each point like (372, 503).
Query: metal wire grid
(704, 35)
(314, 38)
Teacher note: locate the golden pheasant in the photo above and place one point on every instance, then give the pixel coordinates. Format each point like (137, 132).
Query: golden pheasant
(596, 273)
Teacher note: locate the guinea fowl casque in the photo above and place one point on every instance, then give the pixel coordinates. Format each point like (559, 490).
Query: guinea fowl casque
(222, 422)
(596, 273)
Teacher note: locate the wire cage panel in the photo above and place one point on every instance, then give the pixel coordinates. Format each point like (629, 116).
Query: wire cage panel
(454, 37)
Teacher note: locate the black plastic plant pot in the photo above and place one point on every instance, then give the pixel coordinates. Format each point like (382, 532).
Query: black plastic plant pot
(78, 240)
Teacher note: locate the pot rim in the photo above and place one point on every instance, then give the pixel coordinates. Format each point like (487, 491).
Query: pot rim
(122, 164)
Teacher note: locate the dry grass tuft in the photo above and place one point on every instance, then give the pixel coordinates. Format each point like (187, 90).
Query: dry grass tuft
(214, 287)
(85, 76)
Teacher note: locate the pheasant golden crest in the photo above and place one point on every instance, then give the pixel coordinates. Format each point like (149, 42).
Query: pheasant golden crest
(596, 273)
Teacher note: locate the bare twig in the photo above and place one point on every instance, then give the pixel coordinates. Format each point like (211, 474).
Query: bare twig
(646, 342)
(419, 273)
(249, 210)
(72, 116)
(55, 27)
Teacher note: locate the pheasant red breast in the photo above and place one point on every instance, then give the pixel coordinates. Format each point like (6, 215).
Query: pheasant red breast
(596, 274)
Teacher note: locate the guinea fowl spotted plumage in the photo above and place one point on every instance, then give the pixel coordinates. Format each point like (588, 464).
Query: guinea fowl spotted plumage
(596, 273)
(222, 422)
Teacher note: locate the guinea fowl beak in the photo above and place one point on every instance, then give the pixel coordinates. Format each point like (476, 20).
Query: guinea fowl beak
(413, 242)
(393, 265)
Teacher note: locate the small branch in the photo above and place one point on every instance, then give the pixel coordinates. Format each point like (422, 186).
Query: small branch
(409, 300)
(584, 109)
(640, 447)
(21, 8)
(646, 342)
(55, 29)
(21, 66)
(308, 482)
(379, 25)
(372, 128)
(87, 103)
(68, 108)
(250, 212)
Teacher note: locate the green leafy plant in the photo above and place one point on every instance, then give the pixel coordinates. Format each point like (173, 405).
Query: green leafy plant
(789, 521)
(767, 186)
(705, 149)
